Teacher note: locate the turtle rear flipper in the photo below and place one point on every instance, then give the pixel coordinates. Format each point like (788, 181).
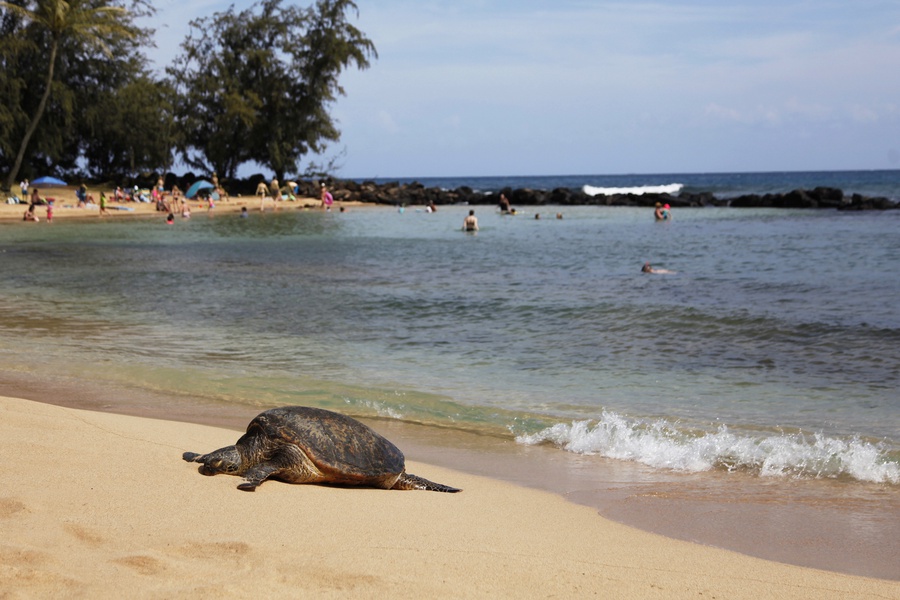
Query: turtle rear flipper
(408, 481)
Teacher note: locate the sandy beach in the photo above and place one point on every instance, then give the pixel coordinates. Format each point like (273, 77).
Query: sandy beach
(101, 505)
(65, 206)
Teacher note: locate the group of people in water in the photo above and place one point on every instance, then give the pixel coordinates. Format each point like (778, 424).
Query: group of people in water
(175, 203)
(662, 212)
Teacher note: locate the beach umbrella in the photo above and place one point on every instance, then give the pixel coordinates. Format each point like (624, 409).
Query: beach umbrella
(48, 181)
(198, 185)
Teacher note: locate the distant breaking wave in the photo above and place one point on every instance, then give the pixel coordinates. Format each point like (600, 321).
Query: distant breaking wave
(672, 188)
(660, 445)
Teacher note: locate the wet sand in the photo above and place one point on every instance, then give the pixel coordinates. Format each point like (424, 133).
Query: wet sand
(853, 533)
(101, 505)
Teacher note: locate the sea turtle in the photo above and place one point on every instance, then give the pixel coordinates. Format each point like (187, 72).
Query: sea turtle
(300, 444)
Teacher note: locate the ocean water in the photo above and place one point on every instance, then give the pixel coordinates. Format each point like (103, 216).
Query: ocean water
(771, 350)
(874, 183)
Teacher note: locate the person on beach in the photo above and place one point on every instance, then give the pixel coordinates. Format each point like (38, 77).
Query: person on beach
(275, 190)
(327, 198)
(471, 222)
(262, 190)
(170, 219)
(244, 213)
(24, 187)
(102, 204)
(223, 195)
(186, 211)
(158, 200)
(29, 214)
(49, 212)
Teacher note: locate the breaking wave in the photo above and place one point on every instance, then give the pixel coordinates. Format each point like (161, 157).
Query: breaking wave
(672, 188)
(660, 445)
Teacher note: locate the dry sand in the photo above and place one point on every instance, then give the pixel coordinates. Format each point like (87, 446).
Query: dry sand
(65, 206)
(97, 505)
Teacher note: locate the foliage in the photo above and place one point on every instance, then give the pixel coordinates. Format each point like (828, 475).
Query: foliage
(256, 85)
(250, 86)
(58, 56)
(128, 130)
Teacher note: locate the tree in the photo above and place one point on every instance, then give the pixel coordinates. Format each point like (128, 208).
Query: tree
(85, 25)
(257, 85)
(128, 130)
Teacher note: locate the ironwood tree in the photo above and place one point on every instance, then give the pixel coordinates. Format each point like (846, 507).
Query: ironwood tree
(56, 56)
(256, 85)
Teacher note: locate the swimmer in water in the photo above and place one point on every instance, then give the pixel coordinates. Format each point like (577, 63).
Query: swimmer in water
(647, 268)
(471, 222)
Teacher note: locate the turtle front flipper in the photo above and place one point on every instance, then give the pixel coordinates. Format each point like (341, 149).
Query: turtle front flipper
(256, 475)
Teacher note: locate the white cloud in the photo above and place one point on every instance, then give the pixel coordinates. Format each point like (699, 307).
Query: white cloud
(387, 122)
(863, 114)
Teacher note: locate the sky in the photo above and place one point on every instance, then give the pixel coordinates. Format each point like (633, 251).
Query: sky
(522, 87)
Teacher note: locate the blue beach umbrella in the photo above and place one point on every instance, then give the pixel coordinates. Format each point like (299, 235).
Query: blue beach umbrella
(201, 184)
(48, 181)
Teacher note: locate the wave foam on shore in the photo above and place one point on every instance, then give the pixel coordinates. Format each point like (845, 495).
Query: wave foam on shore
(659, 444)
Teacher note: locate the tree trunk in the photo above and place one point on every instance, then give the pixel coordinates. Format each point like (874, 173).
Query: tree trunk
(10, 181)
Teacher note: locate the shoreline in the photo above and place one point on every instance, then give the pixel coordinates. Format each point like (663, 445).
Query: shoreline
(66, 207)
(351, 193)
(126, 513)
(788, 523)
(802, 523)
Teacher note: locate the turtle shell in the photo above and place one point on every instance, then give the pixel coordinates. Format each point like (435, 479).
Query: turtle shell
(335, 443)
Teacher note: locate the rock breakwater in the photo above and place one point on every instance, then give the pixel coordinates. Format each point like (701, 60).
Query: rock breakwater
(416, 194)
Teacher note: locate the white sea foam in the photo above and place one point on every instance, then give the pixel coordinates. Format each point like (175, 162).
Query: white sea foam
(660, 445)
(672, 188)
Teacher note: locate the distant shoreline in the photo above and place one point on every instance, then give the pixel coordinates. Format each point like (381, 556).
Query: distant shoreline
(65, 206)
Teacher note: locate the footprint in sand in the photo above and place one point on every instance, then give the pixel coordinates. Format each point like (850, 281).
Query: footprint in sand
(216, 550)
(10, 507)
(145, 565)
(83, 534)
(19, 557)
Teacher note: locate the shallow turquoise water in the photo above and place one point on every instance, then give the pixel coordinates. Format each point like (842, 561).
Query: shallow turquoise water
(774, 347)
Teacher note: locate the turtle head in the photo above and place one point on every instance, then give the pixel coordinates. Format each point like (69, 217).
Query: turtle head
(224, 460)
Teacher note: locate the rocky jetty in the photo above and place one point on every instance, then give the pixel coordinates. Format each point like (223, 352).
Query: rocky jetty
(414, 194)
